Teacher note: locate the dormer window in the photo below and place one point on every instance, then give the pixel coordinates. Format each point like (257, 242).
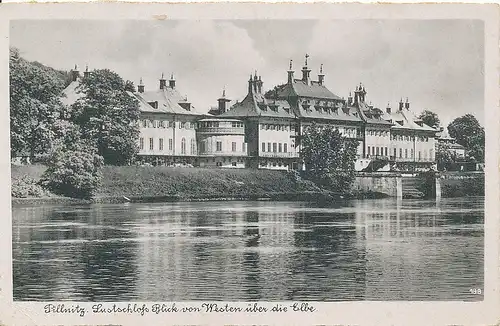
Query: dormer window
(154, 104)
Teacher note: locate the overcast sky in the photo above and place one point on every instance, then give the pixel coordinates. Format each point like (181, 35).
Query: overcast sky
(437, 64)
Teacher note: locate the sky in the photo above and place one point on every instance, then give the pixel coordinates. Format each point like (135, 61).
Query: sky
(437, 64)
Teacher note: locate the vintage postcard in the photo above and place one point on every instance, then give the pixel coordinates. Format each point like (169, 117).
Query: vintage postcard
(216, 164)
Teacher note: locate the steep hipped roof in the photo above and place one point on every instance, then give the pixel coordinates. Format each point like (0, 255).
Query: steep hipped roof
(255, 105)
(404, 118)
(168, 100)
(70, 94)
(299, 88)
(371, 115)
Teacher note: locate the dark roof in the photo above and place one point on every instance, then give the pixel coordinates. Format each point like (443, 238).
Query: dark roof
(255, 105)
(372, 115)
(301, 89)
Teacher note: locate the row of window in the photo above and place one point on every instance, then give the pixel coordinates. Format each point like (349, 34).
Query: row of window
(379, 133)
(275, 147)
(216, 124)
(167, 124)
(274, 164)
(277, 127)
(383, 151)
(409, 138)
(219, 148)
(161, 146)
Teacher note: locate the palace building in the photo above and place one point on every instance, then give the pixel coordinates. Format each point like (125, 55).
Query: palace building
(263, 130)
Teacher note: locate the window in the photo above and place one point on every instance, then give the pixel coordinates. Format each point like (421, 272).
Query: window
(161, 144)
(183, 146)
(368, 150)
(430, 154)
(193, 147)
(373, 150)
(400, 153)
(145, 123)
(233, 164)
(202, 147)
(269, 147)
(419, 156)
(406, 152)
(193, 125)
(377, 151)
(394, 152)
(182, 125)
(274, 147)
(243, 149)
(263, 147)
(151, 143)
(233, 146)
(385, 151)
(280, 147)
(411, 153)
(219, 146)
(284, 147)
(141, 143)
(170, 144)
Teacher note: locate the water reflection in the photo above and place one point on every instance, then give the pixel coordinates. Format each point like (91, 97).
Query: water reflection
(358, 250)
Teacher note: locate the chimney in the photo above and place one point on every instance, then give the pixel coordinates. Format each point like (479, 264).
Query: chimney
(388, 109)
(86, 73)
(401, 104)
(305, 72)
(321, 76)
(140, 87)
(349, 99)
(171, 82)
(163, 82)
(250, 85)
(222, 102)
(290, 73)
(407, 104)
(259, 85)
(255, 83)
(75, 73)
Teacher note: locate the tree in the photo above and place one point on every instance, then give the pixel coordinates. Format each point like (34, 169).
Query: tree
(469, 133)
(108, 115)
(329, 157)
(445, 157)
(430, 118)
(34, 105)
(73, 173)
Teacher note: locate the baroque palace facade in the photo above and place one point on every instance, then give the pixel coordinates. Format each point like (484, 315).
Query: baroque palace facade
(263, 130)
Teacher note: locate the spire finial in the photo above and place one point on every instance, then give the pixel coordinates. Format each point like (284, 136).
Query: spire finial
(224, 92)
(307, 56)
(87, 68)
(407, 100)
(172, 76)
(255, 73)
(140, 81)
(162, 76)
(321, 69)
(291, 64)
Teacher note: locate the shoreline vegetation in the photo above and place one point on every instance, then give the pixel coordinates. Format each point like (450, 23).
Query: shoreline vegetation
(170, 184)
(147, 184)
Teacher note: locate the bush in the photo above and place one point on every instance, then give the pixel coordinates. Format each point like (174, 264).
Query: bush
(73, 173)
(27, 187)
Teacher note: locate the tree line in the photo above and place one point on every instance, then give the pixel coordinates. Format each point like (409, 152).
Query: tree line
(75, 140)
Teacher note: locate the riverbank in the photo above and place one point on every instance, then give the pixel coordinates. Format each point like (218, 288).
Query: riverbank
(167, 184)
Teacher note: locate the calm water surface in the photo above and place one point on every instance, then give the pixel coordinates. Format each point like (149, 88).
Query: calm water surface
(235, 251)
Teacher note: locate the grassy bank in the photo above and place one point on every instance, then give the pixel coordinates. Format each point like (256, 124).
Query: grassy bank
(148, 184)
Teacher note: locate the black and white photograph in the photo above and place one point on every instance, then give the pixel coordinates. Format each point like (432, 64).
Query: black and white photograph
(247, 160)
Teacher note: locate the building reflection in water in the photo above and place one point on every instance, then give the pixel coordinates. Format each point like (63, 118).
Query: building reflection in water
(412, 249)
(62, 253)
(241, 251)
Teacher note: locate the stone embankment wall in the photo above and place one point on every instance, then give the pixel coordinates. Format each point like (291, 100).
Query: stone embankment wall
(386, 183)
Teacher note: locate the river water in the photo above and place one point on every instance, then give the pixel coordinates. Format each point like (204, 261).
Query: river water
(244, 251)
